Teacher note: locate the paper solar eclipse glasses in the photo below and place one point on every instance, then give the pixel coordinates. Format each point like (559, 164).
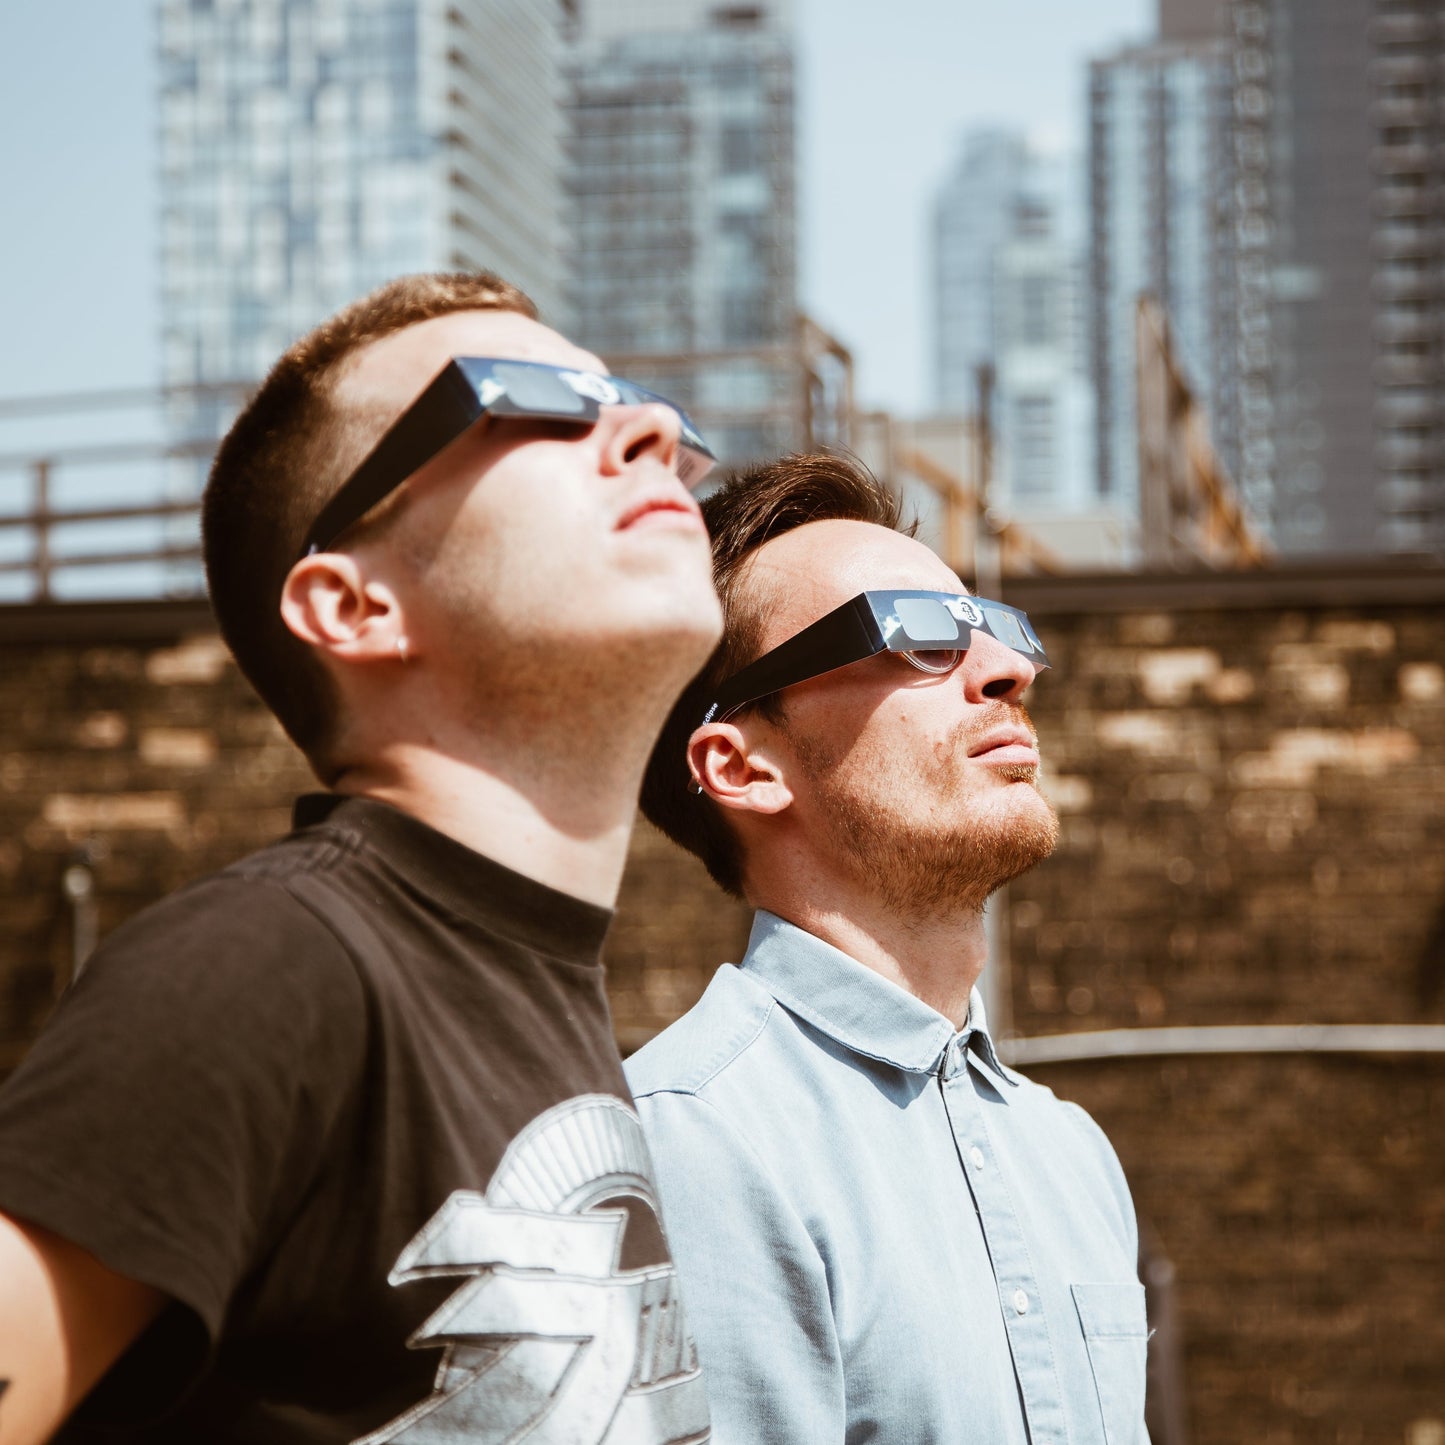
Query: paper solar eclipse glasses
(930, 630)
(468, 388)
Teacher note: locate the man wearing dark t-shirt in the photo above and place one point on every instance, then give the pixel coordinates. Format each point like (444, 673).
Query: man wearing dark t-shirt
(335, 1145)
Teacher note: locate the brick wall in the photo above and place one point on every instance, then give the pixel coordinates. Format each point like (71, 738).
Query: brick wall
(129, 742)
(1250, 774)
(1251, 782)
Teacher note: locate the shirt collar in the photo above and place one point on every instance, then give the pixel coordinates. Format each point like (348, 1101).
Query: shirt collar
(860, 1008)
(469, 884)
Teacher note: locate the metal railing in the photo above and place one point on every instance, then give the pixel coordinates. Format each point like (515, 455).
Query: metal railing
(807, 401)
(58, 538)
(1225, 1039)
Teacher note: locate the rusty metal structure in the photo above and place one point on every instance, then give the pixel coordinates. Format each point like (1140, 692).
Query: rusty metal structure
(1190, 512)
(941, 467)
(94, 518)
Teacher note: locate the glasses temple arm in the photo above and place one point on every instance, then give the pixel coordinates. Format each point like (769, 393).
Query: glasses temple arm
(447, 407)
(845, 635)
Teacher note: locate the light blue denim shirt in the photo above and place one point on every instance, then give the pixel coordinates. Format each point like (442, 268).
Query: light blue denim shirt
(882, 1233)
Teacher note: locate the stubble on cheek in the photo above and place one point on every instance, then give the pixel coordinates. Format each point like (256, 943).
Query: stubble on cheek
(980, 832)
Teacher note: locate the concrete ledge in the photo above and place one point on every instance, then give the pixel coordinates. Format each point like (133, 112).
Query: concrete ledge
(1379, 582)
(1345, 582)
(162, 620)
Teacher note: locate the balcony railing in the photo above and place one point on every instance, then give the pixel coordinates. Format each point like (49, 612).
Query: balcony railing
(111, 509)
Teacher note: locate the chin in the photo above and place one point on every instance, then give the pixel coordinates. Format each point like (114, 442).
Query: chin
(1029, 805)
(672, 623)
(1008, 838)
(685, 611)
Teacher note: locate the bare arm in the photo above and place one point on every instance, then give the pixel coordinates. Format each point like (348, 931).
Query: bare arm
(64, 1320)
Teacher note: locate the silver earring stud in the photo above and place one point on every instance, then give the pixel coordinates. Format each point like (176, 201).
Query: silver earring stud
(401, 646)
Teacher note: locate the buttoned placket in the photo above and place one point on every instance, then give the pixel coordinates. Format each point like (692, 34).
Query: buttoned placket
(1018, 1292)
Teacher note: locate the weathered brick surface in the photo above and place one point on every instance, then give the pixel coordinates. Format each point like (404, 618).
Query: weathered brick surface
(1251, 820)
(1252, 833)
(1251, 798)
(152, 761)
(673, 928)
(1301, 1200)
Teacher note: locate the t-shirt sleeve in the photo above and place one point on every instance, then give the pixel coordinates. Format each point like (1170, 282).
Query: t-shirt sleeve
(174, 1111)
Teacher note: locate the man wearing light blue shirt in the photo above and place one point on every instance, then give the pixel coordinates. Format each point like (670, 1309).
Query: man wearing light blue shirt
(883, 1233)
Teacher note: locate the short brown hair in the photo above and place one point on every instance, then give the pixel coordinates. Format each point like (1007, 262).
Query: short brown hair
(751, 508)
(284, 458)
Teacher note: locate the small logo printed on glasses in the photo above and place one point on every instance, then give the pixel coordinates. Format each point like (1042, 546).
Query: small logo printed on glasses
(966, 610)
(589, 383)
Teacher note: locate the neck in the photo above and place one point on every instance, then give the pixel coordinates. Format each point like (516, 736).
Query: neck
(938, 958)
(545, 785)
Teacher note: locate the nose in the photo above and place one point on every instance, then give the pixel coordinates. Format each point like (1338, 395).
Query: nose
(648, 429)
(991, 670)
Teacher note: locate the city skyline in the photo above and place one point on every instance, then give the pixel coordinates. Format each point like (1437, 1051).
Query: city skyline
(1008, 258)
(680, 215)
(1158, 188)
(81, 171)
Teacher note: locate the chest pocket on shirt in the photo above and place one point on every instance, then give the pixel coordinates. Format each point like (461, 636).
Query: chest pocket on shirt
(1117, 1335)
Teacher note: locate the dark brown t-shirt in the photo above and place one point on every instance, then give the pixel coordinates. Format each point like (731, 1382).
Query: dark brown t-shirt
(354, 1105)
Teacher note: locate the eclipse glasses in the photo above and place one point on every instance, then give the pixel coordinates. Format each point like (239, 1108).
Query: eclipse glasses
(468, 388)
(929, 629)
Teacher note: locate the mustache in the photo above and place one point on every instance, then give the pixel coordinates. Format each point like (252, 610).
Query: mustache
(999, 713)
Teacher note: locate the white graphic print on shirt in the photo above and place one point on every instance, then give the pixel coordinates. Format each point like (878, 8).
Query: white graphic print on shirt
(549, 1340)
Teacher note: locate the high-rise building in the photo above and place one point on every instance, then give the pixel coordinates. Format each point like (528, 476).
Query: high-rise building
(1007, 297)
(311, 149)
(1160, 206)
(681, 208)
(1340, 147)
(993, 194)
(1193, 19)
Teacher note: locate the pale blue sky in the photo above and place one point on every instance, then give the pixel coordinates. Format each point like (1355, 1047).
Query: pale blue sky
(886, 89)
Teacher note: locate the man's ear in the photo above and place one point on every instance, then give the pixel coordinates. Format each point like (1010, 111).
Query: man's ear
(328, 601)
(734, 772)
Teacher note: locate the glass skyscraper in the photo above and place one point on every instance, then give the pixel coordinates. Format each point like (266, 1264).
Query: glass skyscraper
(681, 208)
(1340, 135)
(992, 193)
(312, 149)
(1160, 199)
(1007, 295)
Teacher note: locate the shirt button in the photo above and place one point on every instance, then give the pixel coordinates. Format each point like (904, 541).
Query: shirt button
(1021, 1302)
(976, 1155)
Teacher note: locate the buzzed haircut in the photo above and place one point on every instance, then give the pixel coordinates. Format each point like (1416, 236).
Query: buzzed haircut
(283, 459)
(751, 508)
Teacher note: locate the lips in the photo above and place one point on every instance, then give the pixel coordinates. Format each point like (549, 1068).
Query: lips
(1009, 745)
(666, 509)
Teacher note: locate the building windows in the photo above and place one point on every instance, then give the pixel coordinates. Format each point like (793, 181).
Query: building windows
(1032, 460)
(1036, 310)
(680, 192)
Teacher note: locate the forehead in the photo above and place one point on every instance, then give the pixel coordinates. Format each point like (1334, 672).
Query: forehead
(796, 578)
(395, 369)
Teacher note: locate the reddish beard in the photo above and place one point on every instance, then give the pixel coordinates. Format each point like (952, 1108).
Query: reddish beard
(940, 860)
